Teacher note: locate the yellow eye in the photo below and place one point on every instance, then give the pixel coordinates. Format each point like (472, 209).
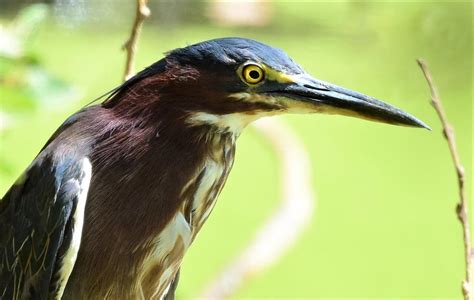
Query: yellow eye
(252, 74)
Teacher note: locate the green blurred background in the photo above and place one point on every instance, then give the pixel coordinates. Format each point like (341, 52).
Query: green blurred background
(384, 225)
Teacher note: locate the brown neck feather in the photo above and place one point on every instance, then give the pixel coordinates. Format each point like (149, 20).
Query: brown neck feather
(143, 155)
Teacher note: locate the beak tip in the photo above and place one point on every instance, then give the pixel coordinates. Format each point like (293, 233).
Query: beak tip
(423, 125)
(414, 122)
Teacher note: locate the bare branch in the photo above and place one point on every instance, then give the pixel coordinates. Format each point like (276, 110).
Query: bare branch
(130, 45)
(461, 209)
(285, 225)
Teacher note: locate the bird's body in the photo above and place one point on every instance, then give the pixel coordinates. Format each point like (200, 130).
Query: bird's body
(112, 202)
(143, 240)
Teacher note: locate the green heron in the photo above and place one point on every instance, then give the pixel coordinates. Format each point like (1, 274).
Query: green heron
(117, 195)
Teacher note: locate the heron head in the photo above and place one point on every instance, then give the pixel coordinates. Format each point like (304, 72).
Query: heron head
(238, 80)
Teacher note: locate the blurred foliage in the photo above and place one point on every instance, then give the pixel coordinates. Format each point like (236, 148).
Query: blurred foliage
(25, 85)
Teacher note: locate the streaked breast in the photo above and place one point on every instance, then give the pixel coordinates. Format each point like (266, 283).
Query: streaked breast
(198, 198)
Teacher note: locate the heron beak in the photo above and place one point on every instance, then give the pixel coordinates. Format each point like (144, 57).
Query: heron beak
(314, 95)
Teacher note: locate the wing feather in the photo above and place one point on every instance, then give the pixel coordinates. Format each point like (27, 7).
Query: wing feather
(41, 219)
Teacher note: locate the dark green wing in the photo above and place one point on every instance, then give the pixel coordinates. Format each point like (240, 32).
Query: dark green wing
(40, 227)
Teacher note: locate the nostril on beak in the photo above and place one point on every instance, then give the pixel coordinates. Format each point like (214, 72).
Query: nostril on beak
(312, 87)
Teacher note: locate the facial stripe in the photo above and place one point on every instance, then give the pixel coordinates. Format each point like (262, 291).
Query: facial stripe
(280, 77)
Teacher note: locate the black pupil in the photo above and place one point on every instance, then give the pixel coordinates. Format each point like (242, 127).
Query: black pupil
(254, 74)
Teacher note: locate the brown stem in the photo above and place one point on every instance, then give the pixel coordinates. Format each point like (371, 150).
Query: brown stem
(130, 45)
(461, 209)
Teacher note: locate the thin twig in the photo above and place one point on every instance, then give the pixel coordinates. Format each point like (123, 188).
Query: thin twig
(461, 209)
(285, 225)
(130, 45)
